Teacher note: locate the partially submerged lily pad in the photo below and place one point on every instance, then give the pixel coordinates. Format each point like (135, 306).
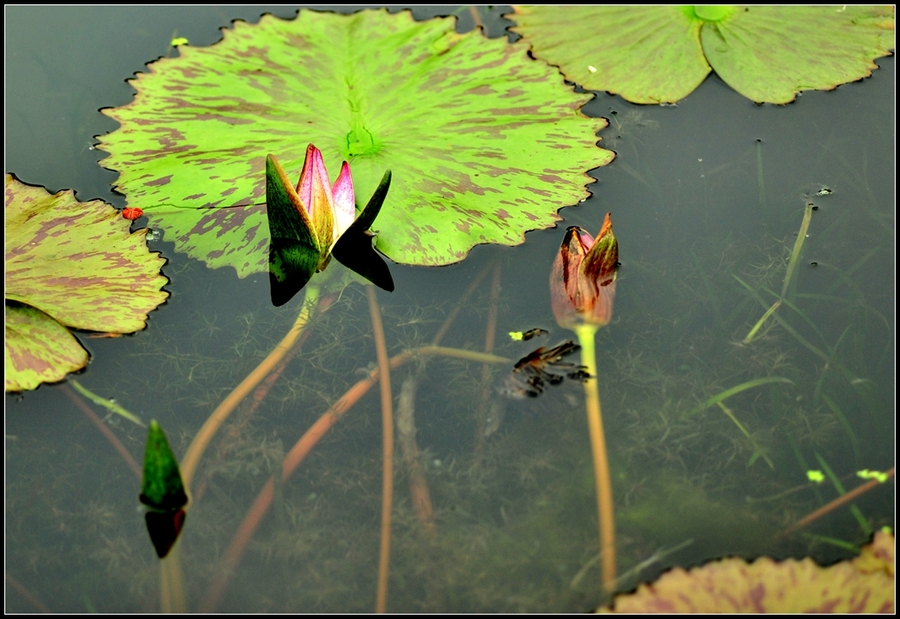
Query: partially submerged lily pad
(69, 264)
(660, 54)
(484, 143)
(861, 585)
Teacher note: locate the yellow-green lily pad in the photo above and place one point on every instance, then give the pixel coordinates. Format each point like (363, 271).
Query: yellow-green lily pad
(38, 349)
(75, 264)
(483, 142)
(660, 54)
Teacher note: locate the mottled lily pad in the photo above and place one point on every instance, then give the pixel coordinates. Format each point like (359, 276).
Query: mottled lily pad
(861, 585)
(484, 143)
(660, 54)
(38, 349)
(69, 264)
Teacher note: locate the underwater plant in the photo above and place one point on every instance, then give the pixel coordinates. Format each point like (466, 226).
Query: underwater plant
(511, 527)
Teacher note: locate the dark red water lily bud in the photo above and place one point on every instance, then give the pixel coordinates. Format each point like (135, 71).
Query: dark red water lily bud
(583, 280)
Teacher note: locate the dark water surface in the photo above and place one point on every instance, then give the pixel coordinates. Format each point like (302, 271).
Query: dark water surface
(700, 192)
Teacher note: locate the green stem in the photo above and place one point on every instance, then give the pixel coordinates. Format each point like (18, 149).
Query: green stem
(798, 246)
(735, 390)
(173, 593)
(789, 274)
(96, 399)
(863, 523)
(602, 481)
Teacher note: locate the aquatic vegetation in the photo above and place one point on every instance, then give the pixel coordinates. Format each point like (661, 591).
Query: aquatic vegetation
(513, 513)
(864, 584)
(583, 281)
(494, 146)
(661, 54)
(162, 491)
(582, 289)
(69, 264)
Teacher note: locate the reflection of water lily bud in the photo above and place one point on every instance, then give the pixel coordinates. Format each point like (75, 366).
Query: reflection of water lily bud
(583, 279)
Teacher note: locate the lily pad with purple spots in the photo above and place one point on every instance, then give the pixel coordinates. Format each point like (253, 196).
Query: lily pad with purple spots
(483, 142)
(69, 264)
(861, 585)
(660, 54)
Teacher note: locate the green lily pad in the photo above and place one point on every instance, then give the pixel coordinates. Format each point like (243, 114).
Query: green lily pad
(660, 54)
(38, 349)
(74, 264)
(484, 143)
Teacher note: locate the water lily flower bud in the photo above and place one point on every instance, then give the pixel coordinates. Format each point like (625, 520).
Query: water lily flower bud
(583, 279)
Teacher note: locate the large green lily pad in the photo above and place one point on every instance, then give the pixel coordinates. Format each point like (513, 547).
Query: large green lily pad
(69, 264)
(484, 143)
(660, 54)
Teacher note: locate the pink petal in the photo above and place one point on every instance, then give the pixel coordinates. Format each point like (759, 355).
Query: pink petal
(344, 201)
(313, 179)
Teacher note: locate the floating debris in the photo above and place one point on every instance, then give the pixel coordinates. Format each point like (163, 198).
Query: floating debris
(533, 372)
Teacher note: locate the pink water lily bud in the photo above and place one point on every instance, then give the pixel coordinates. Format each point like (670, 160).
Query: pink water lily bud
(583, 279)
(315, 221)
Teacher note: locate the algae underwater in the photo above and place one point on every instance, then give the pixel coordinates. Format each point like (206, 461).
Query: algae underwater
(702, 192)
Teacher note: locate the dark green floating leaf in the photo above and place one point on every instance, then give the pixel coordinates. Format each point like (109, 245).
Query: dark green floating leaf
(484, 143)
(162, 491)
(660, 54)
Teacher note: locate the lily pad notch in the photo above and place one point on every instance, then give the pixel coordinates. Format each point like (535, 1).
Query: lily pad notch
(70, 264)
(483, 142)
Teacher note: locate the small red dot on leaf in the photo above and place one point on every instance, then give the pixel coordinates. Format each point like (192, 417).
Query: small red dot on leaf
(132, 213)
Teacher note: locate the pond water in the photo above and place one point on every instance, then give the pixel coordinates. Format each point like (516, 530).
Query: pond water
(700, 192)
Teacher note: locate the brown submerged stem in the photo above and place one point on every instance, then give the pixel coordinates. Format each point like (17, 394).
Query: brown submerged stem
(838, 502)
(217, 418)
(387, 426)
(302, 448)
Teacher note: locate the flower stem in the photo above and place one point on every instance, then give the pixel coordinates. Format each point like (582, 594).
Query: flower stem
(232, 555)
(387, 419)
(218, 416)
(172, 592)
(602, 481)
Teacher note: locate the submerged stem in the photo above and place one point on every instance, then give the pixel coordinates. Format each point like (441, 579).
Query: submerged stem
(387, 424)
(301, 449)
(602, 481)
(218, 416)
(173, 594)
